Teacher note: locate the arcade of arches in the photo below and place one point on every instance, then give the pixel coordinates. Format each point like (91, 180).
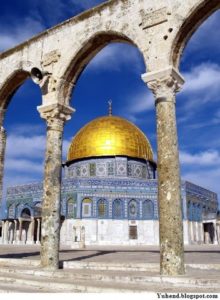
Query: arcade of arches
(160, 29)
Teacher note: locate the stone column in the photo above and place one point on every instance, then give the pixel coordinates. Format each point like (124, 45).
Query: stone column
(2, 153)
(82, 237)
(20, 231)
(215, 242)
(164, 85)
(38, 232)
(15, 231)
(3, 231)
(11, 232)
(55, 116)
(31, 233)
(6, 233)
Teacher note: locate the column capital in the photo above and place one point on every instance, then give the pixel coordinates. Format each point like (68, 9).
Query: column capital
(164, 83)
(56, 114)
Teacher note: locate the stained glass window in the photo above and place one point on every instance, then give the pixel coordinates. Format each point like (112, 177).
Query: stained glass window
(71, 208)
(148, 210)
(87, 207)
(117, 209)
(102, 208)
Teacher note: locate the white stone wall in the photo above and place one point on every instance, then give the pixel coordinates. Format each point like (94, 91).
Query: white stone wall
(116, 232)
(110, 232)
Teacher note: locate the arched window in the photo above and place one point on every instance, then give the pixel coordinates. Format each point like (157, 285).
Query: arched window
(71, 208)
(87, 208)
(26, 213)
(102, 208)
(132, 209)
(148, 210)
(117, 209)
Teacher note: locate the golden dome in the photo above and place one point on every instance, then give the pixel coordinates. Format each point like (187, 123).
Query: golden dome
(110, 136)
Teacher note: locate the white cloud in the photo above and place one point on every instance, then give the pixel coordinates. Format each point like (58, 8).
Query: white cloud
(13, 34)
(206, 158)
(25, 155)
(24, 166)
(208, 179)
(202, 87)
(202, 78)
(141, 102)
(202, 168)
(23, 146)
(114, 56)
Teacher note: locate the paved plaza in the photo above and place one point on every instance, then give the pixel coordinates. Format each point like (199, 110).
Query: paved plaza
(107, 269)
(204, 254)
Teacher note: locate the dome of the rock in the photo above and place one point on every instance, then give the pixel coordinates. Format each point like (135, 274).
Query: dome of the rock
(110, 136)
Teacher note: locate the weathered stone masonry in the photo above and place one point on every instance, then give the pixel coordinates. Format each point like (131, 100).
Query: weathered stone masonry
(160, 30)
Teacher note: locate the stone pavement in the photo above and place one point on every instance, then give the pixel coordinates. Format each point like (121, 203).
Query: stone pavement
(194, 254)
(108, 269)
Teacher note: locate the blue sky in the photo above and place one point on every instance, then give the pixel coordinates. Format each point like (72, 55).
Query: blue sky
(115, 73)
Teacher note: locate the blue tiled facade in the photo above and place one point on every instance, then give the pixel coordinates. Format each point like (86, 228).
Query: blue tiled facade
(120, 197)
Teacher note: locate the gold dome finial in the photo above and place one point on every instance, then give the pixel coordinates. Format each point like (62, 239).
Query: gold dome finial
(110, 107)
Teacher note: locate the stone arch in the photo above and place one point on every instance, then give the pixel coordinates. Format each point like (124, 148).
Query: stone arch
(11, 85)
(85, 53)
(197, 15)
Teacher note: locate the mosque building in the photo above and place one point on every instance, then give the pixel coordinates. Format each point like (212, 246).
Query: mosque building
(109, 194)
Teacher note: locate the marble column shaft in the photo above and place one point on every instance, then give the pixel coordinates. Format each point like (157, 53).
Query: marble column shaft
(164, 85)
(15, 230)
(50, 226)
(32, 230)
(38, 231)
(6, 233)
(20, 230)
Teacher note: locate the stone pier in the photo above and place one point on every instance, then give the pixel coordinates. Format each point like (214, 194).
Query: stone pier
(164, 85)
(2, 152)
(55, 116)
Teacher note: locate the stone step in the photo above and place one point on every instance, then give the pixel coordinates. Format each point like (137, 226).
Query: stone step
(18, 281)
(18, 262)
(139, 279)
(152, 267)
(13, 288)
